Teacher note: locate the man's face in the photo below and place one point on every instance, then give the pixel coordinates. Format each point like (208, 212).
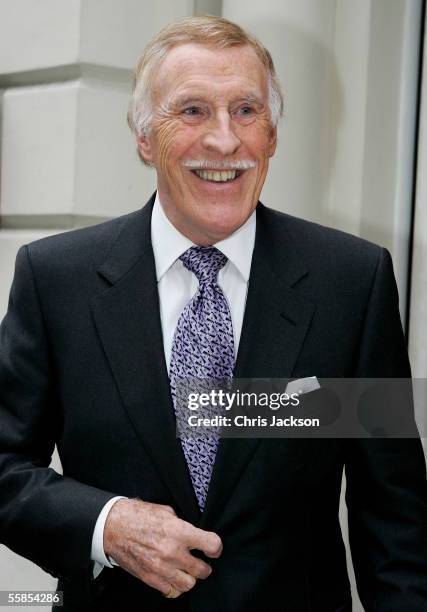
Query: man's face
(211, 116)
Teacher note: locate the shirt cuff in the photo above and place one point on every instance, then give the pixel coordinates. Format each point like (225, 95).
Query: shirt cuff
(97, 553)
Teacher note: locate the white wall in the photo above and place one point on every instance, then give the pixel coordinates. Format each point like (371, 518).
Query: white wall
(418, 304)
(418, 321)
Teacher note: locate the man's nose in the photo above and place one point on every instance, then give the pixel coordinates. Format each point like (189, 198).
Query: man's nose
(221, 137)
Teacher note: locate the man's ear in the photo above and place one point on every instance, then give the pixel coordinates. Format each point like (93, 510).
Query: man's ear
(273, 141)
(145, 149)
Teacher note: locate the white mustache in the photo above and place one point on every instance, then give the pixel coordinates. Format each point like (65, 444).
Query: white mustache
(227, 164)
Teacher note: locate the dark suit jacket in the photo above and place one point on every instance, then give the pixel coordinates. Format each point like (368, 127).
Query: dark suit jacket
(82, 366)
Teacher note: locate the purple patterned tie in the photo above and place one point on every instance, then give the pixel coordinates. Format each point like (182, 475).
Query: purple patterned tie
(203, 348)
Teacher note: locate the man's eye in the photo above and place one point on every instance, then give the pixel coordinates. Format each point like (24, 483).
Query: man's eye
(244, 114)
(192, 111)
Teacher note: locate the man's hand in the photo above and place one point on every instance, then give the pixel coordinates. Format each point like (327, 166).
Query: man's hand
(152, 543)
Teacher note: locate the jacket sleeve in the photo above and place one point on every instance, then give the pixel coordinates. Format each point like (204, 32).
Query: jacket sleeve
(386, 491)
(44, 516)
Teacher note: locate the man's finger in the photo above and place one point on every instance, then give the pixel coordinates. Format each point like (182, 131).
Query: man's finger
(206, 541)
(196, 567)
(182, 581)
(159, 583)
(214, 547)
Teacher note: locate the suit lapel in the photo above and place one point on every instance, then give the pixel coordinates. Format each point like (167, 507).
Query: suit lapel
(127, 318)
(275, 324)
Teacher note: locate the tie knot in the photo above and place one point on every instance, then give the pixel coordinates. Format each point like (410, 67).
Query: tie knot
(204, 262)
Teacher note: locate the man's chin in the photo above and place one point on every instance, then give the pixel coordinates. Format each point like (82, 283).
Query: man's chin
(214, 229)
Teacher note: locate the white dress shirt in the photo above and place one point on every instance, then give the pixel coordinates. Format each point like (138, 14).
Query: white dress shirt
(176, 286)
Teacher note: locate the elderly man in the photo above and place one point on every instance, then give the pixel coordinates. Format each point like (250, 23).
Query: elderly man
(104, 321)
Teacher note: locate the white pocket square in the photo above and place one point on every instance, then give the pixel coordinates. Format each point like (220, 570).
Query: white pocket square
(303, 385)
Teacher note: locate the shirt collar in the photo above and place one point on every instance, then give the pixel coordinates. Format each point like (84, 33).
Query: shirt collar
(237, 247)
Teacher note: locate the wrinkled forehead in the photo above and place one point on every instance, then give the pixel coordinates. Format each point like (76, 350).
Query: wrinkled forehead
(209, 71)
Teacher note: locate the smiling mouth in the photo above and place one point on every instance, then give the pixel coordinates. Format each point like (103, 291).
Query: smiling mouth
(218, 176)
